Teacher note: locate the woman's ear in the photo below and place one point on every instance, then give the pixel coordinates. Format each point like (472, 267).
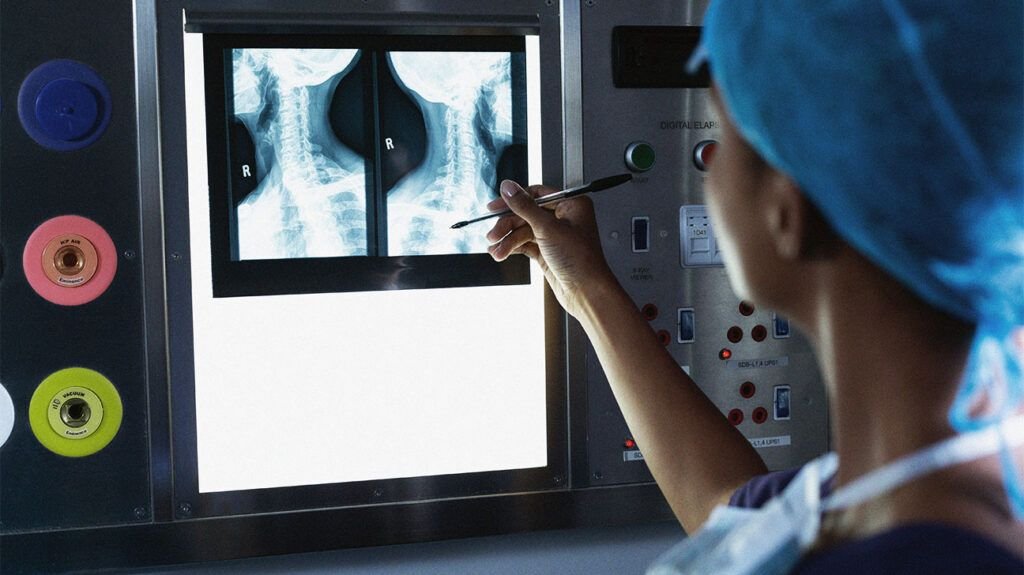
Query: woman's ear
(796, 226)
(785, 211)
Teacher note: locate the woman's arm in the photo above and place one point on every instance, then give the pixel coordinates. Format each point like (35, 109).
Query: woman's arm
(696, 456)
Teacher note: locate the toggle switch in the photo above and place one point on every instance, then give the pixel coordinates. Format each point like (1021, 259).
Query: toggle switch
(686, 332)
(641, 234)
(781, 404)
(780, 327)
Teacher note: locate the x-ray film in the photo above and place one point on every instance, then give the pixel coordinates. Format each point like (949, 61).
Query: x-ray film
(299, 192)
(340, 163)
(466, 99)
(356, 152)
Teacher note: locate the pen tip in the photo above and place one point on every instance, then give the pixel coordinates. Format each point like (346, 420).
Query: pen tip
(458, 225)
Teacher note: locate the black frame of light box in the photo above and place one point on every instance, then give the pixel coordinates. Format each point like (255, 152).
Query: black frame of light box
(235, 277)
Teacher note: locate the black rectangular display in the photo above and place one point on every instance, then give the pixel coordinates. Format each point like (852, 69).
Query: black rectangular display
(656, 57)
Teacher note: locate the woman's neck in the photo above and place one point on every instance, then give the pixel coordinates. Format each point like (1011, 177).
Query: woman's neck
(893, 366)
(892, 363)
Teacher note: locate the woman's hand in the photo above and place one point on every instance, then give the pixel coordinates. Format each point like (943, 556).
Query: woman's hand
(563, 241)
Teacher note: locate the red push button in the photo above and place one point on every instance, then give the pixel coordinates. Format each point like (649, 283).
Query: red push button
(703, 154)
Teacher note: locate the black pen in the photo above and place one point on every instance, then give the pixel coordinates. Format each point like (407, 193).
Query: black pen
(595, 186)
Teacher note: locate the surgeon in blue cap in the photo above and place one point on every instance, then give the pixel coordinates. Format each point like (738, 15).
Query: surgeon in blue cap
(881, 143)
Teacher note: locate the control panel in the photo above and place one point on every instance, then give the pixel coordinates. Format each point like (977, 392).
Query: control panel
(641, 112)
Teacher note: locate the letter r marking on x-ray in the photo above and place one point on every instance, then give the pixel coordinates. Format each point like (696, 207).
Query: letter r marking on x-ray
(389, 144)
(246, 172)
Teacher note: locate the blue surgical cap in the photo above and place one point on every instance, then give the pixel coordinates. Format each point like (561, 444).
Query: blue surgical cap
(903, 123)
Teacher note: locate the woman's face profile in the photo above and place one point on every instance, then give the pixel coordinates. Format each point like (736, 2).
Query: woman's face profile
(733, 197)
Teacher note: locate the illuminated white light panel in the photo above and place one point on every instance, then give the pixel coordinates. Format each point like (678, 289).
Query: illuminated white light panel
(327, 388)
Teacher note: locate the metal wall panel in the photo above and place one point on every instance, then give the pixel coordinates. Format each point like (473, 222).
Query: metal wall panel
(674, 121)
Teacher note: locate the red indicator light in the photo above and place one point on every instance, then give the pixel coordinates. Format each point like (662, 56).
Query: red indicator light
(630, 444)
(726, 353)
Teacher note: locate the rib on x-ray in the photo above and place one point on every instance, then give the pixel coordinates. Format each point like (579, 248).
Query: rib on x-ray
(466, 100)
(312, 200)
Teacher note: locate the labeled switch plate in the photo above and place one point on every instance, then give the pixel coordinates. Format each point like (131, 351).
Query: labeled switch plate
(698, 245)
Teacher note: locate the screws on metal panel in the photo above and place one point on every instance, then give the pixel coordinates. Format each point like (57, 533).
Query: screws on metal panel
(598, 475)
(140, 512)
(129, 254)
(185, 509)
(558, 480)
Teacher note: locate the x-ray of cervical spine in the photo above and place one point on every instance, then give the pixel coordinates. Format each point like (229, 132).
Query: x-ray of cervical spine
(311, 200)
(455, 90)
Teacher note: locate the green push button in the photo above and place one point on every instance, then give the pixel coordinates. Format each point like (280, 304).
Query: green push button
(639, 156)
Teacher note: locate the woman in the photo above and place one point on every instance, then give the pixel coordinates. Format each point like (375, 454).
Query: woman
(874, 150)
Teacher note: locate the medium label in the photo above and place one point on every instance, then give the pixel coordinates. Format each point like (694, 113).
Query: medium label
(758, 363)
(779, 441)
(632, 456)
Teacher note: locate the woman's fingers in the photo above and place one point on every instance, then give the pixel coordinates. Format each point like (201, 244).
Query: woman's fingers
(523, 204)
(496, 205)
(512, 243)
(503, 226)
(539, 191)
(507, 223)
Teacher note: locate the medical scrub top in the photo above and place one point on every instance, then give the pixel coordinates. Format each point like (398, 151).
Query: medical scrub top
(915, 548)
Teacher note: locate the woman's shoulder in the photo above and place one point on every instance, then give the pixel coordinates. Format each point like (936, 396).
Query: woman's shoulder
(912, 548)
(763, 488)
(915, 548)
